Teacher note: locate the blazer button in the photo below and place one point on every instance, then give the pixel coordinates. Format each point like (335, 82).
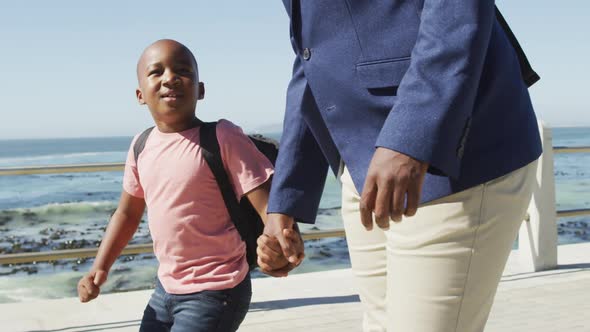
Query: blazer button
(306, 54)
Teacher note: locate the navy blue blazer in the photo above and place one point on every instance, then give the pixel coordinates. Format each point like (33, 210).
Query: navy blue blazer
(436, 80)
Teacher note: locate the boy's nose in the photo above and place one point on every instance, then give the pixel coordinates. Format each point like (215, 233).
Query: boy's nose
(171, 79)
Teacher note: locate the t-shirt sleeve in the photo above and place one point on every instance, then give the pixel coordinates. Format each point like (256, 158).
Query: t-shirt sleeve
(246, 166)
(131, 183)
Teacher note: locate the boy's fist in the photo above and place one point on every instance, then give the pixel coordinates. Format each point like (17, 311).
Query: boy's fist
(89, 285)
(271, 259)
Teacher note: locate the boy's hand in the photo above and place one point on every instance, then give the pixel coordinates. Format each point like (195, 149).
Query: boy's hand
(89, 285)
(285, 230)
(271, 259)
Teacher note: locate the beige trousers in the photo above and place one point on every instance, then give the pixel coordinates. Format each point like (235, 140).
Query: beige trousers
(437, 271)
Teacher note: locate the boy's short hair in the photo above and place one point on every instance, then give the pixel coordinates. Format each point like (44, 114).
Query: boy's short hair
(194, 59)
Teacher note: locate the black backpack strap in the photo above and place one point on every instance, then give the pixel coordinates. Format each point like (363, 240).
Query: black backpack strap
(212, 154)
(529, 76)
(140, 142)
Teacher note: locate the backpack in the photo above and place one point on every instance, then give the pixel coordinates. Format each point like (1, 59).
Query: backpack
(244, 216)
(529, 76)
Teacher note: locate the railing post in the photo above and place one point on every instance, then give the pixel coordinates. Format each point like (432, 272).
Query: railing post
(537, 240)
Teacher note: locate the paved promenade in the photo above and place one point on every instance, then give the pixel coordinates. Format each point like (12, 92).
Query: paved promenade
(557, 300)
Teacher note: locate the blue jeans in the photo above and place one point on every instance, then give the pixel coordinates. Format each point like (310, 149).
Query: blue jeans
(206, 311)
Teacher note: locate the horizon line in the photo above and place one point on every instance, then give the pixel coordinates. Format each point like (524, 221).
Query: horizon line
(253, 131)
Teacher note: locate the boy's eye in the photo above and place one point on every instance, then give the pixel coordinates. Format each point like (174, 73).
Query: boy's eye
(185, 71)
(153, 72)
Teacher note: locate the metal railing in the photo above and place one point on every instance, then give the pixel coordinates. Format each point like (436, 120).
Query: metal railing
(566, 149)
(147, 247)
(111, 167)
(132, 249)
(58, 169)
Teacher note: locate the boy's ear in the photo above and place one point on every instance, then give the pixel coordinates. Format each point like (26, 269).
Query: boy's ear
(201, 90)
(139, 96)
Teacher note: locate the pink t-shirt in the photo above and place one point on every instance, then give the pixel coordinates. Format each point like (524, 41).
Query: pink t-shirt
(195, 241)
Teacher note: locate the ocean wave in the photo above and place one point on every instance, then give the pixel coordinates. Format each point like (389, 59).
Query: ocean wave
(61, 158)
(56, 210)
(73, 207)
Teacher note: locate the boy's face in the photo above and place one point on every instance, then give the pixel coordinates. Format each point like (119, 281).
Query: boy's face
(168, 81)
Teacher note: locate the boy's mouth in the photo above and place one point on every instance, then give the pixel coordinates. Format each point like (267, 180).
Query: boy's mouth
(171, 96)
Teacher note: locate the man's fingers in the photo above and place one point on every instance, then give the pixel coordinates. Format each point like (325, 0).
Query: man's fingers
(274, 227)
(367, 203)
(274, 273)
(415, 192)
(398, 202)
(270, 270)
(295, 237)
(286, 269)
(291, 248)
(287, 246)
(413, 198)
(383, 204)
(292, 245)
(269, 261)
(268, 258)
(270, 245)
(282, 272)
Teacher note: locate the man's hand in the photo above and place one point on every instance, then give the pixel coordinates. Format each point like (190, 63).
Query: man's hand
(89, 285)
(392, 188)
(284, 229)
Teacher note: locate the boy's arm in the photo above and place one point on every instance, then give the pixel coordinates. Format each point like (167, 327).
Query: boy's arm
(271, 259)
(120, 230)
(258, 197)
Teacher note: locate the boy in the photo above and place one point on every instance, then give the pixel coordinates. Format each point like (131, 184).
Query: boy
(203, 282)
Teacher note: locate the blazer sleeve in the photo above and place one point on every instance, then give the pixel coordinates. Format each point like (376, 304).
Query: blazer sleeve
(431, 117)
(301, 168)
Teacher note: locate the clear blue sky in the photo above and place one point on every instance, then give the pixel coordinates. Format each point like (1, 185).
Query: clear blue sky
(67, 67)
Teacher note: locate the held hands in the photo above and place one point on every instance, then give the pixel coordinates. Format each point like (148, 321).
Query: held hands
(89, 285)
(280, 247)
(392, 188)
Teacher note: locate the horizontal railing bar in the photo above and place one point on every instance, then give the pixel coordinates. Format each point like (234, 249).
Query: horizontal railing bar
(316, 235)
(573, 149)
(573, 213)
(109, 167)
(56, 169)
(132, 249)
(45, 256)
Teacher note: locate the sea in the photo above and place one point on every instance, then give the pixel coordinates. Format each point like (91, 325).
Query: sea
(66, 211)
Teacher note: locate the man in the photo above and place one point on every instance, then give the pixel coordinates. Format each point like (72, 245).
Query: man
(411, 103)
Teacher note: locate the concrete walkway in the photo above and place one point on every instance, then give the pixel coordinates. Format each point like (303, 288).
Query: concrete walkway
(557, 300)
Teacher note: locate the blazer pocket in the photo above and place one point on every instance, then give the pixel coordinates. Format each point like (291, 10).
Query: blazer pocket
(382, 73)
